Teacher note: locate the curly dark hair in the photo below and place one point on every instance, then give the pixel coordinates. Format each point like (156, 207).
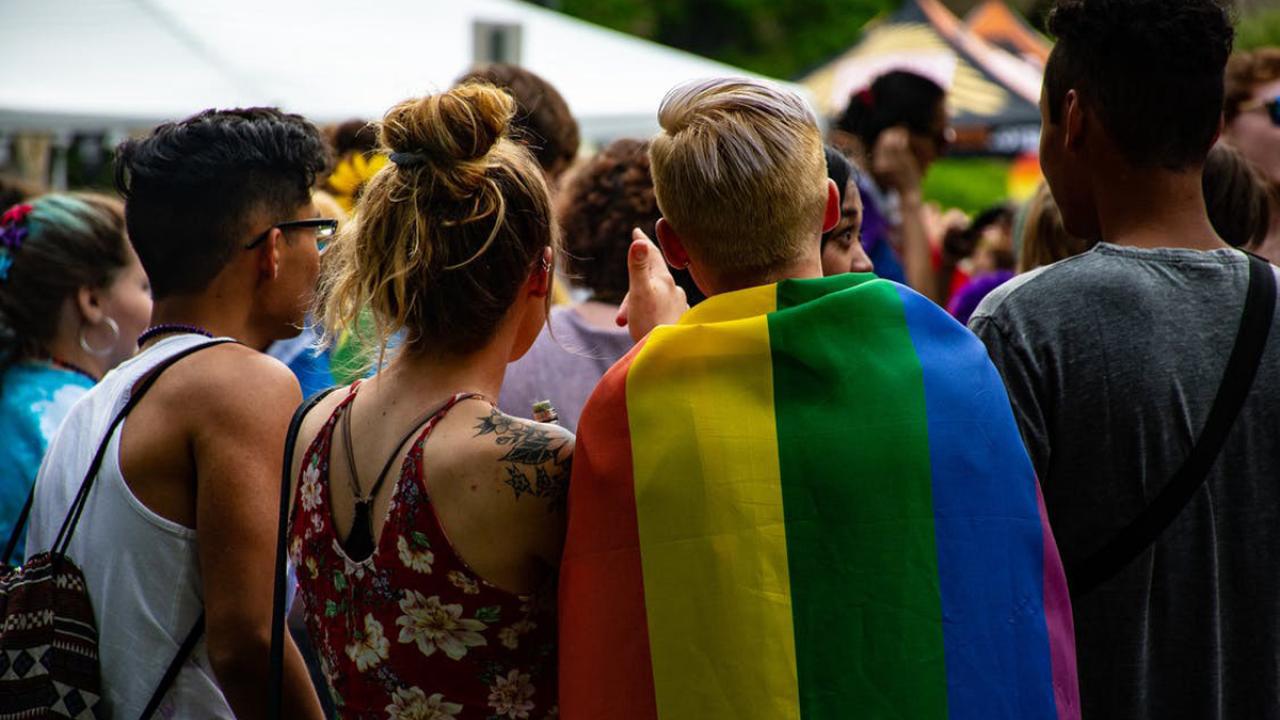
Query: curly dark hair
(543, 120)
(606, 198)
(1151, 69)
(190, 188)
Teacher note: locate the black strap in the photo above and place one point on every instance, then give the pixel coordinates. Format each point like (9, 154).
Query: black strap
(1242, 367)
(276, 697)
(175, 666)
(12, 545)
(414, 428)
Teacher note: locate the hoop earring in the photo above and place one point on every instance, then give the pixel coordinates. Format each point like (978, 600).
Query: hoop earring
(101, 352)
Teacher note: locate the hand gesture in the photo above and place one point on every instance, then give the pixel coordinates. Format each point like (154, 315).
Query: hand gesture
(653, 298)
(893, 162)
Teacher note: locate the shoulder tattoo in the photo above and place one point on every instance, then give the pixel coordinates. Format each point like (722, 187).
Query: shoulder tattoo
(535, 463)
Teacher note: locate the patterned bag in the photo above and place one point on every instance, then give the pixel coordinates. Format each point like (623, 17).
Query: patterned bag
(48, 637)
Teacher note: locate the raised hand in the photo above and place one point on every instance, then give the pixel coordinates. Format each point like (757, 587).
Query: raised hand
(653, 298)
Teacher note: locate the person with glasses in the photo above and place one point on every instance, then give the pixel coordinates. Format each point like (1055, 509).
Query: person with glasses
(894, 130)
(181, 520)
(323, 229)
(1251, 112)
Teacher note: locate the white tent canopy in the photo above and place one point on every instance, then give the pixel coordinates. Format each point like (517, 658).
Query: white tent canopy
(119, 64)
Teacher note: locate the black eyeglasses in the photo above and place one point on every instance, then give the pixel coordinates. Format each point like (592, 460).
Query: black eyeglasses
(324, 227)
(1272, 106)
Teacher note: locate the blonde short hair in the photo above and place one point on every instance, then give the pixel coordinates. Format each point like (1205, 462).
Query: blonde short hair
(739, 172)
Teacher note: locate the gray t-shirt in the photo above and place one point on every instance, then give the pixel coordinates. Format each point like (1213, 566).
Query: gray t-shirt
(1112, 360)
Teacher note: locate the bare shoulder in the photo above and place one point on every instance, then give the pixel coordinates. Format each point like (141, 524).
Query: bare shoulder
(233, 384)
(533, 460)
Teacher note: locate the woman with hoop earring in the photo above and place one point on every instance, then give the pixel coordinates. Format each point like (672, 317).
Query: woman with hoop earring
(73, 299)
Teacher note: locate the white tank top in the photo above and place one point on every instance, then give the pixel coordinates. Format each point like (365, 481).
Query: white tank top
(142, 570)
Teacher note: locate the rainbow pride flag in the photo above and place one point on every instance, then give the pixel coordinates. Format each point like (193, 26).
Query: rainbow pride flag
(809, 500)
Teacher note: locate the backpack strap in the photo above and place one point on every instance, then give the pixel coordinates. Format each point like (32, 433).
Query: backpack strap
(278, 605)
(12, 545)
(1242, 367)
(175, 666)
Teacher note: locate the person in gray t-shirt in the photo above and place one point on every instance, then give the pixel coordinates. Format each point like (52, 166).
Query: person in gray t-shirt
(1113, 358)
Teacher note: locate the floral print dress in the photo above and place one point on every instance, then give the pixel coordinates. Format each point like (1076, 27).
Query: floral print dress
(411, 632)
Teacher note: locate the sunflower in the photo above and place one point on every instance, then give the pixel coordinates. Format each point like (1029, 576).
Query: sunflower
(350, 175)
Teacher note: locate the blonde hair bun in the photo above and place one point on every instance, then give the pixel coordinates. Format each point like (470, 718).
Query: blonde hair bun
(458, 189)
(450, 130)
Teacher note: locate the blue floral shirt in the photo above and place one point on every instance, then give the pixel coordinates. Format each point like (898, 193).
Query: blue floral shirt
(34, 399)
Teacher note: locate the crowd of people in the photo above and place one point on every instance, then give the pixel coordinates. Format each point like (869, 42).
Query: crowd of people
(814, 447)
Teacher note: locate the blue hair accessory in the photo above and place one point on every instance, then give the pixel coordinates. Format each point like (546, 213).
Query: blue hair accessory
(13, 232)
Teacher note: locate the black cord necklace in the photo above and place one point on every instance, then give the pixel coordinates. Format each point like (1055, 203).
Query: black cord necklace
(171, 329)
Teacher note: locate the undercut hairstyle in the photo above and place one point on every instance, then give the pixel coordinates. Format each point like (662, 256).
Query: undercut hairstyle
(603, 200)
(1245, 72)
(895, 98)
(542, 120)
(1152, 71)
(447, 233)
(1236, 197)
(73, 241)
(193, 188)
(740, 174)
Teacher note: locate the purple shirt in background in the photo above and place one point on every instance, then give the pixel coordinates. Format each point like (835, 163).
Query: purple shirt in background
(563, 369)
(966, 301)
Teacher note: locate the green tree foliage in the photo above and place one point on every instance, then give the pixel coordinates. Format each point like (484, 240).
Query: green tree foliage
(971, 184)
(1260, 28)
(779, 39)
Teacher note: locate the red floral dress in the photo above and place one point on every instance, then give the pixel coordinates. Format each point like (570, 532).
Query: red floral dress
(412, 633)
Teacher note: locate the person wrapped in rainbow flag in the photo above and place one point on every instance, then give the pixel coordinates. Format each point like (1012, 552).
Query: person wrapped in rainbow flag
(806, 497)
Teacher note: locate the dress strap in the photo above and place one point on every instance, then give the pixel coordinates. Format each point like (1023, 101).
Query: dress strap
(348, 447)
(440, 410)
(360, 541)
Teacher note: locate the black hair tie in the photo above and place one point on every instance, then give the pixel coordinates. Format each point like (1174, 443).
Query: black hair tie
(408, 159)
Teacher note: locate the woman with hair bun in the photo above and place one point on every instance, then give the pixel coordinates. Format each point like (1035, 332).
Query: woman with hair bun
(73, 299)
(426, 525)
